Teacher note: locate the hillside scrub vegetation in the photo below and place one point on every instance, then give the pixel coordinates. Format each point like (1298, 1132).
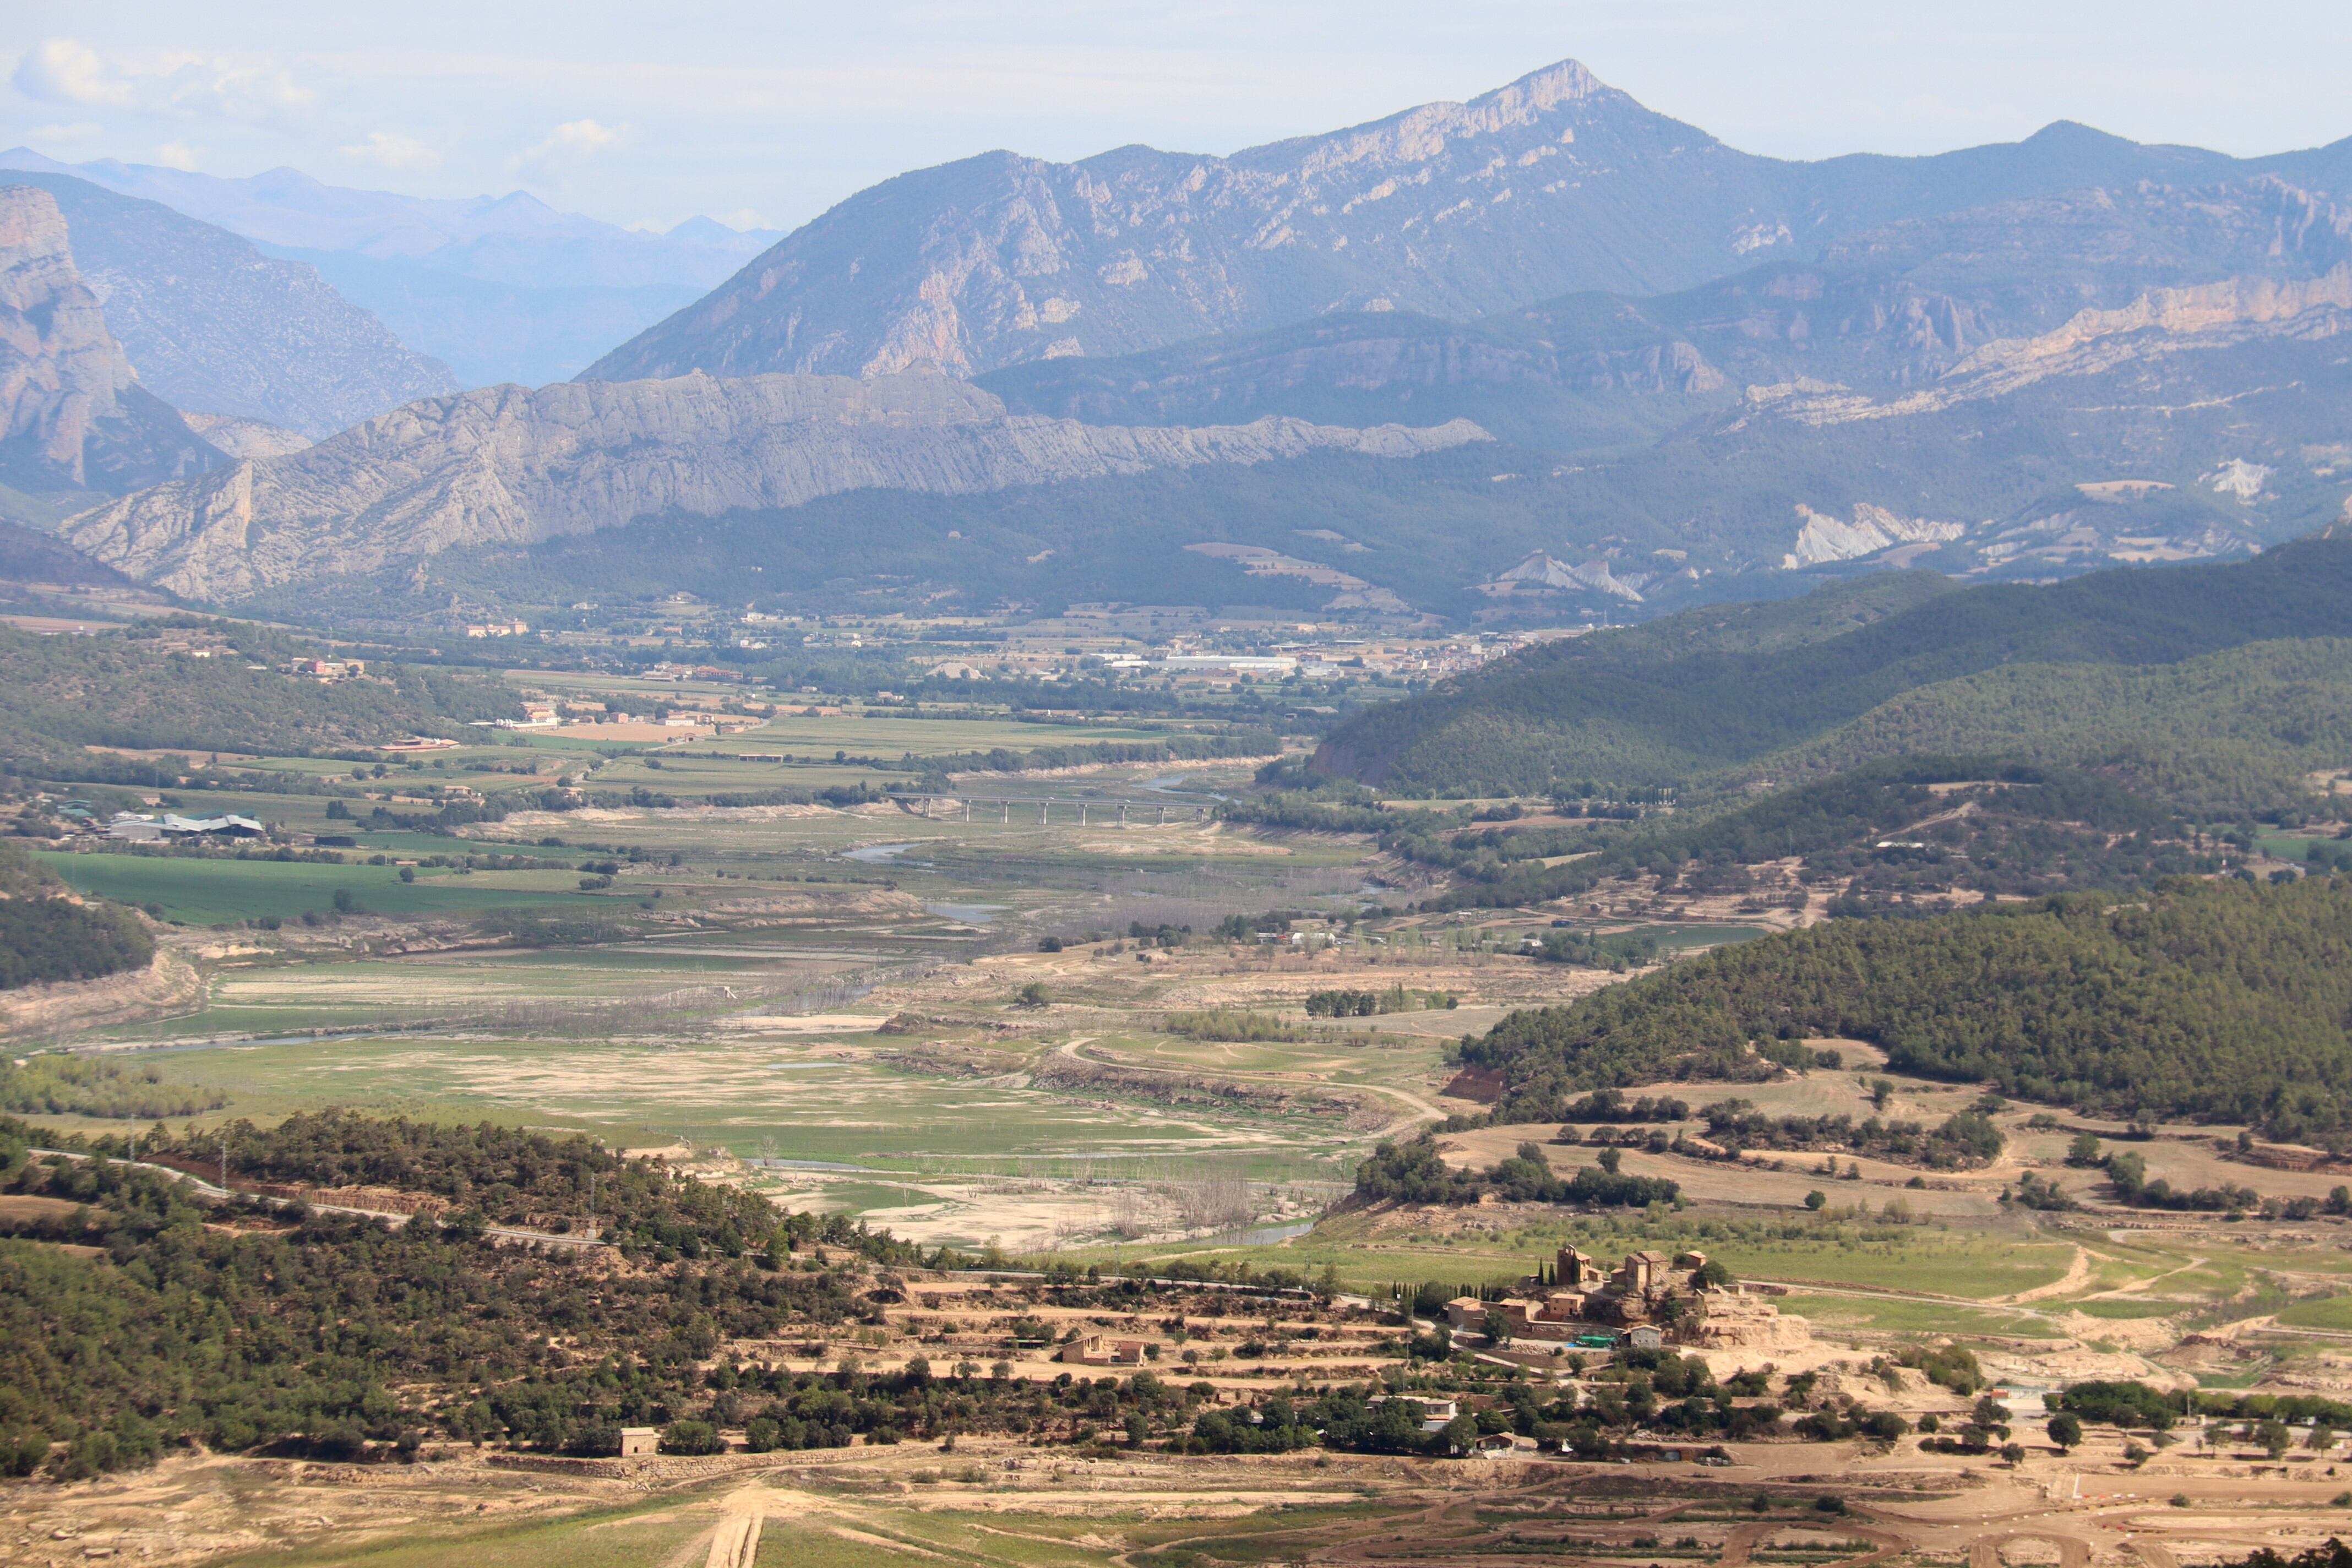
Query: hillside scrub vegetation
(2214, 1001)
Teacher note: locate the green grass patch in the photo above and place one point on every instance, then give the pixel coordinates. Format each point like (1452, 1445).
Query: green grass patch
(1890, 1316)
(2126, 1310)
(2333, 1312)
(217, 892)
(1948, 1266)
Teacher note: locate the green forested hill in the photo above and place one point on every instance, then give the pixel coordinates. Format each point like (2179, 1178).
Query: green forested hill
(243, 1326)
(59, 694)
(1680, 700)
(2228, 1001)
(44, 936)
(2215, 736)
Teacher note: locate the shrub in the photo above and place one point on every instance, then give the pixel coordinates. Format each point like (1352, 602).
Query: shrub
(689, 1437)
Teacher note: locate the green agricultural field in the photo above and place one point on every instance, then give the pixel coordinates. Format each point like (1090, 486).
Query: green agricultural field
(709, 772)
(1683, 938)
(316, 767)
(881, 735)
(654, 1530)
(217, 892)
(801, 1098)
(661, 982)
(1893, 1316)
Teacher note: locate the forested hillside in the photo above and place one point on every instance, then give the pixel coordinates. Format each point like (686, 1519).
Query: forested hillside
(147, 687)
(2215, 737)
(321, 1333)
(2224, 1001)
(45, 937)
(1681, 699)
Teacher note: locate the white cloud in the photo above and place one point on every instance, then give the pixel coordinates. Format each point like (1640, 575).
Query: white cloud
(390, 149)
(255, 90)
(177, 155)
(573, 142)
(235, 90)
(741, 220)
(63, 71)
(81, 130)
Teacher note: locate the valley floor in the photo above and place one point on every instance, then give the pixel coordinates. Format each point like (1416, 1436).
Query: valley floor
(849, 1010)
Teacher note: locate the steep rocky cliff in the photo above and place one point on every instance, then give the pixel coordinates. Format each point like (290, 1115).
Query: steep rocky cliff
(511, 466)
(1554, 183)
(212, 325)
(72, 415)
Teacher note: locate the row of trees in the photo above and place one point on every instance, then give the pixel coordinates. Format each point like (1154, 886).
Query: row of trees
(1414, 1173)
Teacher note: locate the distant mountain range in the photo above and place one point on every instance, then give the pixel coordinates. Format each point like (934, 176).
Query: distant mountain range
(1552, 184)
(498, 289)
(1692, 375)
(214, 326)
(73, 418)
(503, 466)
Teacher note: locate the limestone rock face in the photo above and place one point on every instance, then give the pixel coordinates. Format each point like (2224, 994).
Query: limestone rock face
(509, 466)
(72, 415)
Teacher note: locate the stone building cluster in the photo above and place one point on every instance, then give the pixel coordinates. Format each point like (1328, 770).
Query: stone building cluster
(1583, 1301)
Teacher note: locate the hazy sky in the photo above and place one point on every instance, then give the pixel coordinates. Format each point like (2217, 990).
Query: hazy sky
(770, 112)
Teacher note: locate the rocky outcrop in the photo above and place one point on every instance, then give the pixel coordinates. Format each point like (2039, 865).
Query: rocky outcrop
(244, 437)
(72, 415)
(508, 466)
(1822, 538)
(1541, 571)
(2160, 323)
(213, 325)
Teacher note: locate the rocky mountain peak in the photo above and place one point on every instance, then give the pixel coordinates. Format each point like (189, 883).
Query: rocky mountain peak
(1451, 209)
